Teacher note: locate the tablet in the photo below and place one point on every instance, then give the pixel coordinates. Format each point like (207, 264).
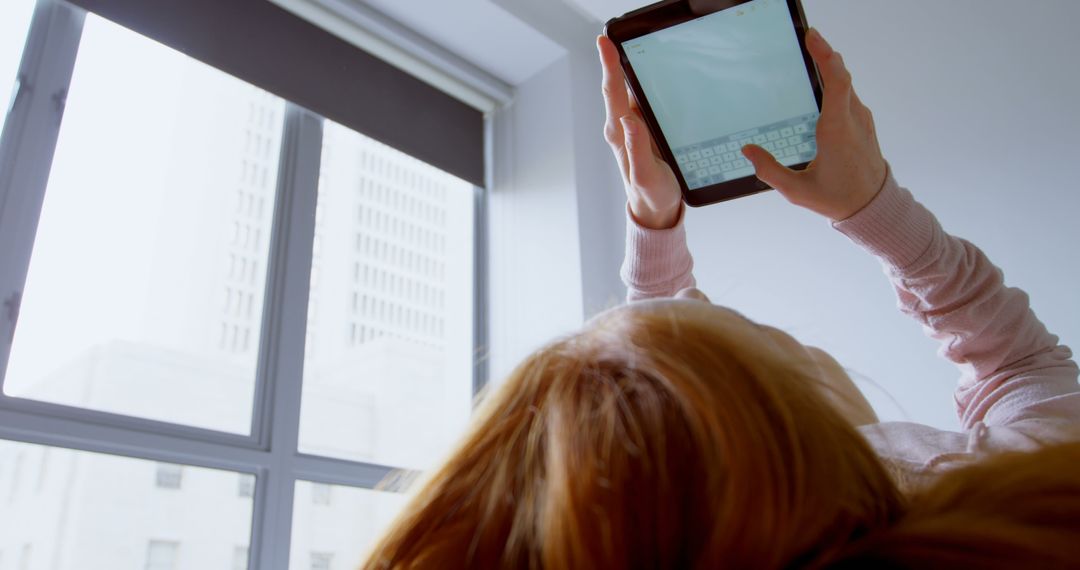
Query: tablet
(711, 76)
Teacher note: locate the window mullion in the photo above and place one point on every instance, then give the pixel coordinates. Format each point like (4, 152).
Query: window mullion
(482, 262)
(284, 331)
(480, 292)
(27, 147)
(73, 433)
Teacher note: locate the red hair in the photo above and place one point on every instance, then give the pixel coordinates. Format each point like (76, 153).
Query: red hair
(657, 437)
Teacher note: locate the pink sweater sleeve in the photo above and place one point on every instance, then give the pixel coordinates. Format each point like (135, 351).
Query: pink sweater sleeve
(1010, 366)
(657, 262)
(1018, 386)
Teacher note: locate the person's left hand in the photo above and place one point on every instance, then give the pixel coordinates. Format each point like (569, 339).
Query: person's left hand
(651, 188)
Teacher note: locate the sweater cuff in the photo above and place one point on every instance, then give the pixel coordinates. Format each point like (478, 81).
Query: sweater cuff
(893, 226)
(655, 258)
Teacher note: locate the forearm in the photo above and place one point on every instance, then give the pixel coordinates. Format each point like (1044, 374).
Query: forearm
(1008, 360)
(657, 263)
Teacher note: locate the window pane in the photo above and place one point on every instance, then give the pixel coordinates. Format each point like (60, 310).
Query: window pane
(145, 290)
(161, 555)
(338, 534)
(14, 24)
(240, 558)
(389, 363)
(72, 510)
(169, 476)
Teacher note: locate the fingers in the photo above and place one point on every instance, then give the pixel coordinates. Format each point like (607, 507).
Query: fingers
(613, 85)
(769, 170)
(834, 73)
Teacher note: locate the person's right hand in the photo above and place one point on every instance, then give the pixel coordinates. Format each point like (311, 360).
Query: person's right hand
(652, 191)
(849, 169)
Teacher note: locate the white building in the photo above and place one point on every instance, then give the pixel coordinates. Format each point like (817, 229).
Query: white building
(387, 371)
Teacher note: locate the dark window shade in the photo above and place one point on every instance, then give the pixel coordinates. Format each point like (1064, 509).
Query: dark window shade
(267, 46)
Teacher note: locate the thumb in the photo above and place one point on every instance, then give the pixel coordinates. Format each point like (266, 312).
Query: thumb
(768, 169)
(638, 151)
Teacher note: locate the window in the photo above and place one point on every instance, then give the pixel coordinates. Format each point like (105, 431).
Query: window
(161, 555)
(117, 524)
(143, 223)
(245, 486)
(14, 24)
(174, 320)
(415, 382)
(321, 561)
(240, 558)
(345, 529)
(16, 476)
(320, 494)
(169, 476)
(43, 470)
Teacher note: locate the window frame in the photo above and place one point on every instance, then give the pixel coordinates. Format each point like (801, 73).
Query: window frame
(270, 451)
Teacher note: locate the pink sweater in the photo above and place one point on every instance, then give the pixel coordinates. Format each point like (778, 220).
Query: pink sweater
(1018, 387)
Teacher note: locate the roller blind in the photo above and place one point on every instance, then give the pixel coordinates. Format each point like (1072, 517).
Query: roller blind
(267, 46)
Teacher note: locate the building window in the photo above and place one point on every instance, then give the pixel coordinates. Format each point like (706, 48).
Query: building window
(161, 555)
(245, 485)
(320, 494)
(240, 558)
(322, 561)
(16, 476)
(24, 559)
(186, 326)
(169, 476)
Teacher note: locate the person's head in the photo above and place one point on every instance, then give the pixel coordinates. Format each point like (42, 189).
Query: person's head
(665, 434)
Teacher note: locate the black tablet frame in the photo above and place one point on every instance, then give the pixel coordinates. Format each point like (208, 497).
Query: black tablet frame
(668, 13)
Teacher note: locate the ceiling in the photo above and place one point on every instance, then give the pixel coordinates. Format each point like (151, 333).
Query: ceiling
(486, 35)
(479, 32)
(604, 10)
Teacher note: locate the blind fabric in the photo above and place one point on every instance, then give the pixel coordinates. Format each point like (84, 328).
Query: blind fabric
(267, 46)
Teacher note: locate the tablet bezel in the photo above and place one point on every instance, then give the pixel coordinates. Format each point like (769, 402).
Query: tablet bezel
(666, 14)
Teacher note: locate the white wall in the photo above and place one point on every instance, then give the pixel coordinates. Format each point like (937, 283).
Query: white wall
(976, 108)
(556, 211)
(535, 285)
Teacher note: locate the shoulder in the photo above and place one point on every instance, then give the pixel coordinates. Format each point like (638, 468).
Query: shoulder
(916, 454)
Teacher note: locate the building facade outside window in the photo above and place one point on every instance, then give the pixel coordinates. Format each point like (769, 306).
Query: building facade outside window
(157, 314)
(240, 558)
(161, 555)
(322, 561)
(168, 476)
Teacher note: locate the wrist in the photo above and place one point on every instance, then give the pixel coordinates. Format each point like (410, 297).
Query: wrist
(869, 190)
(653, 219)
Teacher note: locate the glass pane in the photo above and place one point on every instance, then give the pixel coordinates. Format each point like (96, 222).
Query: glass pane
(14, 24)
(337, 532)
(389, 354)
(145, 289)
(63, 509)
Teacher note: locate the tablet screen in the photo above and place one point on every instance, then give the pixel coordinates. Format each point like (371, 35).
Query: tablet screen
(724, 80)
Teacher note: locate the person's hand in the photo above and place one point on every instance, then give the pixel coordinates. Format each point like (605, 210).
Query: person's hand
(651, 188)
(849, 169)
